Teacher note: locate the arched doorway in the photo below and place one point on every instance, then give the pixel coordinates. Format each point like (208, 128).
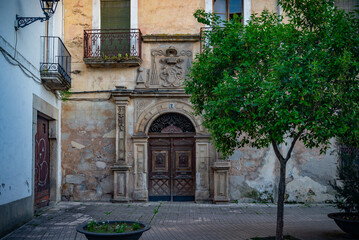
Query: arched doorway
(171, 158)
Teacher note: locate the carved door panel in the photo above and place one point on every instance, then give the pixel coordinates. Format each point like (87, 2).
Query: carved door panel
(171, 169)
(183, 170)
(159, 170)
(42, 163)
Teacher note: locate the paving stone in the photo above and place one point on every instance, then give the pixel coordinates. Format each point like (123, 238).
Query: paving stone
(185, 220)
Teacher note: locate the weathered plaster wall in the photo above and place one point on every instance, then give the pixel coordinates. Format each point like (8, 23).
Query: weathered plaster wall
(254, 175)
(260, 5)
(88, 148)
(19, 64)
(16, 95)
(168, 17)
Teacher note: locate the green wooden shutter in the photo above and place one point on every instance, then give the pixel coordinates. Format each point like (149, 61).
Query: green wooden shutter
(115, 14)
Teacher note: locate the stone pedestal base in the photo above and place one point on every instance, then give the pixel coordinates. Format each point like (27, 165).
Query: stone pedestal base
(220, 170)
(140, 195)
(202, 196)
(121, 178)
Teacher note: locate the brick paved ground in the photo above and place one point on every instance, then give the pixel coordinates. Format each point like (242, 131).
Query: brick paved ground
(185, 221)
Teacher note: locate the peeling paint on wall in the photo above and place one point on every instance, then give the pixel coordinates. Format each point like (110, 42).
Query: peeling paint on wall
(88, 150)
(254, 175)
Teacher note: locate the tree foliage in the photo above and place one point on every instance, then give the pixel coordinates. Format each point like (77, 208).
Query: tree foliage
(347, 189)
(275, 79)
(270, 80)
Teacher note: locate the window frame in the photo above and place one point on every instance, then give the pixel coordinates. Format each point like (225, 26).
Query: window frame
(227, 13)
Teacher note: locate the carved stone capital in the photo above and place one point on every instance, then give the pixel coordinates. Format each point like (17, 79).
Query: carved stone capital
(120, 168)
(221, 165)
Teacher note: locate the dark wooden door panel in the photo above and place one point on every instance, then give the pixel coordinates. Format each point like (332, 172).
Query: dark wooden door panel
(42, 163)
(171, 168)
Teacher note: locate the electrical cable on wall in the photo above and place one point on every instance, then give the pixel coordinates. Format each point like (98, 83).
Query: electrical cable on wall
(15, 62)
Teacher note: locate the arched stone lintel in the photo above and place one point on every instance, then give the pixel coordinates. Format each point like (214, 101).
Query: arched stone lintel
(145, 120)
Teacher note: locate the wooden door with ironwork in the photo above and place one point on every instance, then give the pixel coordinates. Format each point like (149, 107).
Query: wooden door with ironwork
(42, 163)
(183, 169)
(171, 168)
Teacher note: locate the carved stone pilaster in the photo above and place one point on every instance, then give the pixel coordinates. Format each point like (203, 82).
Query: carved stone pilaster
(140, 170)
(121, 97)
(121, 133)
(221, 169)
(121, 167)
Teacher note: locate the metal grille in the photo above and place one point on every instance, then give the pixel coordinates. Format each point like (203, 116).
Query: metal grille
(172, 119)
(112, 43)
(348, 5)
(55, 58)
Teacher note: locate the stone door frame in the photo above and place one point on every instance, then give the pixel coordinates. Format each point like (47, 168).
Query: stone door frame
(140, 143)
(131, 164)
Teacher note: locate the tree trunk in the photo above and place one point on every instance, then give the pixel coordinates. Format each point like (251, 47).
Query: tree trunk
(280, 204)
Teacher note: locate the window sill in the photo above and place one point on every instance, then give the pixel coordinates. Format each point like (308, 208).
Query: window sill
(123, 63)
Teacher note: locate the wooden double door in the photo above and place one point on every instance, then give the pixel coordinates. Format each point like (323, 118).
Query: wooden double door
(172, 167)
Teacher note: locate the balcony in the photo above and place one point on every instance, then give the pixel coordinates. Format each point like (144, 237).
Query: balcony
(55, 65)
(112, 47)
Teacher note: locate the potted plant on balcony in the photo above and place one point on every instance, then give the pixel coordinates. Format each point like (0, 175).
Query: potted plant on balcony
(347, 192)
(115, 230)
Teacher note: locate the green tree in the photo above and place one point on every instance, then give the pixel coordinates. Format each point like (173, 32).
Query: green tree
(273, 82)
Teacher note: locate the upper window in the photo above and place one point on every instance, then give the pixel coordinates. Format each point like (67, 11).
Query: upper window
(115, 14)
(348, 5)
(225, 9)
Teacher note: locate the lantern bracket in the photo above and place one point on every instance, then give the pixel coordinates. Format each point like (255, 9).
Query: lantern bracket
(24, 21)
(48, 7)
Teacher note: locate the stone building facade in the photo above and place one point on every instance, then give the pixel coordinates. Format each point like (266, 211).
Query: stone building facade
(128, 129)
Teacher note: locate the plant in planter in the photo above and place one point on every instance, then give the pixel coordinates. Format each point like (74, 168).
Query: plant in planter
(115, 230)
(347, 191)
(119, 57)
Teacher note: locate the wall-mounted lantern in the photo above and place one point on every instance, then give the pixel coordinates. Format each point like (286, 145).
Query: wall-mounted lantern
(47, 6)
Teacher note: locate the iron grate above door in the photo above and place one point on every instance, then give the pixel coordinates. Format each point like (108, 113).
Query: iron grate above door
(167, 120)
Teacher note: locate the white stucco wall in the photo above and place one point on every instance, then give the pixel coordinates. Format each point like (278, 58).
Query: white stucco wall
(16, 96)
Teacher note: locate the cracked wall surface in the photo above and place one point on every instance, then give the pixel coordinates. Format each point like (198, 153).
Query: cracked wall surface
(254, 174)
(88, 147)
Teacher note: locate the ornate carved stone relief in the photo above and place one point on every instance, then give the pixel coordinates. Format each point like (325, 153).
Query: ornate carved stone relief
(169, 67)
(140, 106)
(121, 114)
(142, 77)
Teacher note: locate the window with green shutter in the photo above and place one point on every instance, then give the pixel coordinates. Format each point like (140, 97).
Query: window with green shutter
(115, 28)
(115, 14)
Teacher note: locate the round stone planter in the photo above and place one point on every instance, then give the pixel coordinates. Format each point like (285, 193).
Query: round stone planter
(349, 226)
(133, 235)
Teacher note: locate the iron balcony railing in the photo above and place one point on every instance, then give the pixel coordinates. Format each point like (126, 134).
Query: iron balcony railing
(113, 44)
(55, 58)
